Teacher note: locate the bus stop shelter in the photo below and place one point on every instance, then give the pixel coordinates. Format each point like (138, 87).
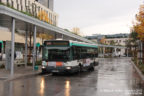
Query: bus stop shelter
(15, 20)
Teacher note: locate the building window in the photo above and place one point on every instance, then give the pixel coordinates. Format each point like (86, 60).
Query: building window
(48, 4)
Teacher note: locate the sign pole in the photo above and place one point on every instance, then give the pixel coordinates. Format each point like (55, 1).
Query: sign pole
(12, 46)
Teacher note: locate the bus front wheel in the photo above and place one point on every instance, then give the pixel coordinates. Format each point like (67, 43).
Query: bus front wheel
(92, 67)
(80, 68)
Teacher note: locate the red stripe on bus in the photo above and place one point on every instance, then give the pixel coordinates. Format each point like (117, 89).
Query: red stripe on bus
(58, 63)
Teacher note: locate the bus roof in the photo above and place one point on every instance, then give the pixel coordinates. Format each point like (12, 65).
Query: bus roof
(77, 43)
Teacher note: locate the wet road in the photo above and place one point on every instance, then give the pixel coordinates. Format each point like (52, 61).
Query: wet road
(113, 77)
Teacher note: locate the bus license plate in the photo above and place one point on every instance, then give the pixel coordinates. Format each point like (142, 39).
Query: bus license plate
(55, 71)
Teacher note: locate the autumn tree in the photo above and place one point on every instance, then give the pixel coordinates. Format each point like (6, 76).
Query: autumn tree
(44, 36)
(76, 30)
(43, 15)
(138, 27)
(103, 41)
(137, 32)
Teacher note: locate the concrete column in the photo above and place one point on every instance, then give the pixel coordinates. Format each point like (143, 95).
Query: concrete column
(115, 51)
(26, 47)
(11, 88)
(34, 47)
(55, 36)
(12, 46)
(62, 36)
(103, 51)
(100, 51)
(127, 52)
(120, 51)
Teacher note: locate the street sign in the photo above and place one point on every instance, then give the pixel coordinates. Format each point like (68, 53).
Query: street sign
(38, 45)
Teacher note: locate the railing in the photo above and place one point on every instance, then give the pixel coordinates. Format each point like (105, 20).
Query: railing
(32, 8)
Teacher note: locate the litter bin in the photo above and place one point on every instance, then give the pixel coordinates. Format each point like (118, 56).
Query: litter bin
(36, 68)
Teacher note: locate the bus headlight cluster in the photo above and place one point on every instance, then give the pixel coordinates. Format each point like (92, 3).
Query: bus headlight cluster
(68, 68)
(43, 67)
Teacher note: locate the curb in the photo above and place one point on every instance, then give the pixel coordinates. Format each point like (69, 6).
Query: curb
(138, 71)
(22, 76)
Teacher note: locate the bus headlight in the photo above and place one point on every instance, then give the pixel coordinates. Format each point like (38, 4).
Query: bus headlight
(68, 68)
(43, 67)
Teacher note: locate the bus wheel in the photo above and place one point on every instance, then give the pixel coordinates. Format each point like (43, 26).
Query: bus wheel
(43, 71)
(80, 68)
(92, 67)
(78, 71)
(54, 74)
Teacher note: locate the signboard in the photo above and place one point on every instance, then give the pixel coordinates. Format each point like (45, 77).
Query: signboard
(37, 44)
(56, 43)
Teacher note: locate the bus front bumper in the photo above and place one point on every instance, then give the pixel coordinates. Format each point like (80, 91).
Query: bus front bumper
(64, 69)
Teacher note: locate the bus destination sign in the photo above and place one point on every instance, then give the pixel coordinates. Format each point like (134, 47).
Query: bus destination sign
(56, 43)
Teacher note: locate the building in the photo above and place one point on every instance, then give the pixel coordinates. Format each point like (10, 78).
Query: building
(47, 3)
(43, 9)
(40, 9)
(115, 39)
(96, 38)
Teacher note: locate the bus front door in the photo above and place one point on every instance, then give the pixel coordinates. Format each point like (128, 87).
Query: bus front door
(0, 51)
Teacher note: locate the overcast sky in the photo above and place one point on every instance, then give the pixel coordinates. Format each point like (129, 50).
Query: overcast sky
(97, 16)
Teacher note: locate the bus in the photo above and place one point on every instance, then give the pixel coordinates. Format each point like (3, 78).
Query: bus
(1, 49)
(60, 56)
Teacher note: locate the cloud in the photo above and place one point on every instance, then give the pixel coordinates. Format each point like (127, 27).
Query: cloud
(113, 26)
(97, 16)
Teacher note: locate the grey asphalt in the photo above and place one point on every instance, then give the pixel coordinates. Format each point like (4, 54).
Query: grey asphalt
(19, 72)
(113, 77)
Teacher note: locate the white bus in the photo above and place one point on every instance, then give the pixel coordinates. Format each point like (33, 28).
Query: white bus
(60, 56)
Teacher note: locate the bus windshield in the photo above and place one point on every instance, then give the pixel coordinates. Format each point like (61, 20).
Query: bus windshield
(56, 54)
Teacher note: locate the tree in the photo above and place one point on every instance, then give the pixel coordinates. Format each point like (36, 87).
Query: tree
(133, 35)
(138, 27)
(112, 42)
(42, 15)
(137, 32)
(102, 41)
(44, 36)
(76, 30)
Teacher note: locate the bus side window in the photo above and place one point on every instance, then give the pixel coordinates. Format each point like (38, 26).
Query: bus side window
(74, 53)
(96, 52)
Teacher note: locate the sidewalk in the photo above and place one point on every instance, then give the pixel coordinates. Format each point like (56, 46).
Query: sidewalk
(138, 71)
(19, 72)
(2, 62)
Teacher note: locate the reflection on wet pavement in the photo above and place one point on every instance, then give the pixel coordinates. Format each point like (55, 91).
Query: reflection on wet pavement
(67, 88)
(113, 77)
(42, 86)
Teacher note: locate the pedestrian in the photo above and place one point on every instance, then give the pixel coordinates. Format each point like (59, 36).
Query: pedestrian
(0, 56)
(119, 53)
(14, 54)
